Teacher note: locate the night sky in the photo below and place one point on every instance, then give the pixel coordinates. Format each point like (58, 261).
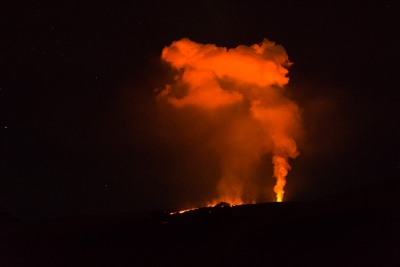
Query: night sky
(81, 131)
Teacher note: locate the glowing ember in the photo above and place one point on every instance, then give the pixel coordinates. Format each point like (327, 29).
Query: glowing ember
(244, 87)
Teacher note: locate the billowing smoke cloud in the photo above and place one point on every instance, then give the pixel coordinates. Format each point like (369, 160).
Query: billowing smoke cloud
(244, 86)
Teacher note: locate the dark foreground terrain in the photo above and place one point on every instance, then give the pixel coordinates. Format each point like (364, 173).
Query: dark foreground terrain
(356, 228)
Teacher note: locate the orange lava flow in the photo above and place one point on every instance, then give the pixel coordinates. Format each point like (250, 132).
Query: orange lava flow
(182, 211)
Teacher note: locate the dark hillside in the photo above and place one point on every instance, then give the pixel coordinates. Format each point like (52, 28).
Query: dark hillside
(355, 228)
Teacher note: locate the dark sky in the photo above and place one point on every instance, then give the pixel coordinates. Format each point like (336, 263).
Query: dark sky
(81, 132)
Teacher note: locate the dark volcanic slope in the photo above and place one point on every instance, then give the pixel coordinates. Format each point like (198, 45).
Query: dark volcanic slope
(357, 228)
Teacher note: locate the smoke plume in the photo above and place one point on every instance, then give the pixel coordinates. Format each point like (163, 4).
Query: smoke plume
(242, 89)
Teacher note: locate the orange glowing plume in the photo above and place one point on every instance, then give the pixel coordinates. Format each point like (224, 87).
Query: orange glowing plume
(246, 81)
